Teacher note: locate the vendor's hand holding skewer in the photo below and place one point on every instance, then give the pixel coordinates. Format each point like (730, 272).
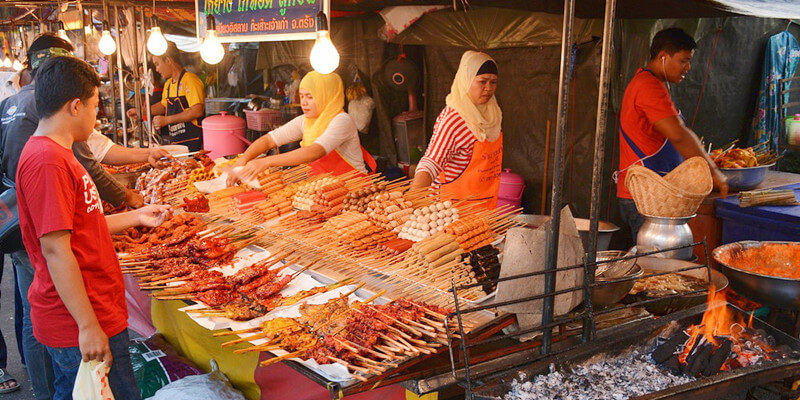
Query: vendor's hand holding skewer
(249, 172)
(158, 157)
(153, 215)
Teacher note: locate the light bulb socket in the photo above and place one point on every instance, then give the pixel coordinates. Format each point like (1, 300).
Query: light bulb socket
(322, 21)
(211, 23)
(105, 25)
(61, 26)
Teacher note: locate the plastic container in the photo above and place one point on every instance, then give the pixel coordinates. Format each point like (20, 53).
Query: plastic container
(263, 120)
(224, 135)
(793, 131)
(761, 223)
(511, 187)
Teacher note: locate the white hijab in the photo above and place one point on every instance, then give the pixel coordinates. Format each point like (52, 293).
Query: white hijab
(483, 120)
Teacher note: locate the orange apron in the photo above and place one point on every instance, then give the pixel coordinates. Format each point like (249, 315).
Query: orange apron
(480, 181)
(335, 164)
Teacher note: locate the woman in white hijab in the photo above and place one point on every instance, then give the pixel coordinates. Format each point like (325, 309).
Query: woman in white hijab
(465, 155)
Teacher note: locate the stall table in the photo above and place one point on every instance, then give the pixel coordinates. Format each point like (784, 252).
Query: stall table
(707, 225)
(273, 382)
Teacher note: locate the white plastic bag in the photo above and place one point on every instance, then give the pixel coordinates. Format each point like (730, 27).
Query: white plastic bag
(361, 112)
(91, 382)
(214, 385)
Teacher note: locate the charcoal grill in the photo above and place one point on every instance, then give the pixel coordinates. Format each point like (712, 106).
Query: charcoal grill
(491, 379)
(726, 382)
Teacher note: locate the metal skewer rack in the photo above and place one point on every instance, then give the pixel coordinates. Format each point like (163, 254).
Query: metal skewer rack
(460, 349)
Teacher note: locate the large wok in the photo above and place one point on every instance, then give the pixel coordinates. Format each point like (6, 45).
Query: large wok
(765, 289)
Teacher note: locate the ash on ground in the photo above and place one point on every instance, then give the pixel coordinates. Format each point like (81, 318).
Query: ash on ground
(630, 375)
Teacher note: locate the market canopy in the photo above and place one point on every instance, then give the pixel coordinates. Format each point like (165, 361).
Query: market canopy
(596, 8)
(583, 9)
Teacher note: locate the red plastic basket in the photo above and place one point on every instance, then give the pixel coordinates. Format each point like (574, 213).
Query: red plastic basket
(263, 120)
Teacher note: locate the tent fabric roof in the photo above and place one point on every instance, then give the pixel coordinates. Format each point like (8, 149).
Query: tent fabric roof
(763, 8)
(625, 8)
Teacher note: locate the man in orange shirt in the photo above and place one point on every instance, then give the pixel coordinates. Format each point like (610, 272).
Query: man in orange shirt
(652, 130)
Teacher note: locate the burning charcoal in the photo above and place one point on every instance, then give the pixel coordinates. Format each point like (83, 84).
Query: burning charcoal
(674, 364)
(721, 354)
(698, 358)
(668, 348)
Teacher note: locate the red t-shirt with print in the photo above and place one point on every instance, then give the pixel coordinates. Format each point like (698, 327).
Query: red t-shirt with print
(54, 193)
(645, 102)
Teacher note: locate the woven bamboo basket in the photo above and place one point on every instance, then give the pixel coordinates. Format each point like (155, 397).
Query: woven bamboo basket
(677, 194)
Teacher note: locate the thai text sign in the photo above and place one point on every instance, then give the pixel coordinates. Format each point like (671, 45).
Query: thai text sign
(261, 20)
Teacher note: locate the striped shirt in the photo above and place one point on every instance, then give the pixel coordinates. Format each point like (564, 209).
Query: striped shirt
(450, 149)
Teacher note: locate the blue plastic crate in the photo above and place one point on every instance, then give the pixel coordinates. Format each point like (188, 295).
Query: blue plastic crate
(762, 223)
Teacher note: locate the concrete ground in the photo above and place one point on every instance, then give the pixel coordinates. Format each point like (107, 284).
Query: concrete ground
(14, 367)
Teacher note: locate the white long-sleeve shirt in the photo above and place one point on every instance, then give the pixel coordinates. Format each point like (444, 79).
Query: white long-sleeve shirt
(341, 134)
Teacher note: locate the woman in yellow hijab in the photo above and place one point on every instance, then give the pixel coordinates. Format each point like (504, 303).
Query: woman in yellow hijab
(328, 136)
(465, 155)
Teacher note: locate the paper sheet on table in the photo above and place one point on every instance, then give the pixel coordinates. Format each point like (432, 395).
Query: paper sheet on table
(299, 283)
(244, 257)
(334, 372)
(210, 323)
(293, 311)
(525, 252)
(220, 182)
(212, 185)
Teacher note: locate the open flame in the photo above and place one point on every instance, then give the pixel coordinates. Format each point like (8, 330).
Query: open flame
(718, 322)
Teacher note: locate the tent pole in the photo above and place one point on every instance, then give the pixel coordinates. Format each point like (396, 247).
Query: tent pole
(599, 157)
(110, 60)
(551, 252)
(121, 78)
(137, 96)
(146, 69)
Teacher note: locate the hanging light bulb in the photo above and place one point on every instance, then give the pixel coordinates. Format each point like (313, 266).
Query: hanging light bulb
(324, 57)
(156, 43)
(17, 66)
(106, 44)
(87, 26)
(7, 62)
(211, 51)
(62, 33)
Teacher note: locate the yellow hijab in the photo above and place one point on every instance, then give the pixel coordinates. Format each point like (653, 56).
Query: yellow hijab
(328, 93)
(483, 120)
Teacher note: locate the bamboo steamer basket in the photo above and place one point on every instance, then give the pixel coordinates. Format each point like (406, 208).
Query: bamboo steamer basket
(677, 194)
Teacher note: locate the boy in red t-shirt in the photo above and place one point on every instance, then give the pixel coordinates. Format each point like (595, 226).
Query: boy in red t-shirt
(652, 132)
(77, 296)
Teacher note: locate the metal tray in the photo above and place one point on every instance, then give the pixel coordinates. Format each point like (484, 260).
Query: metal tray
(670, 305)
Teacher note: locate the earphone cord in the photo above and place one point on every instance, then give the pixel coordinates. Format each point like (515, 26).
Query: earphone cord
(664, 69)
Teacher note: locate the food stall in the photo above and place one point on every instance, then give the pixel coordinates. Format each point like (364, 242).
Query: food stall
(246, 275)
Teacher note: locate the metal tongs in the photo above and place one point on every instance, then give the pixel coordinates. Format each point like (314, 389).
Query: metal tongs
(173, 157)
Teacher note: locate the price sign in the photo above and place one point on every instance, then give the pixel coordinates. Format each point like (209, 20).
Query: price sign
(261, 20)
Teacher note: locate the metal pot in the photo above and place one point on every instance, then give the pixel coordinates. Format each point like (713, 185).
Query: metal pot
(611, 293)
(604, 229)
(666, 232)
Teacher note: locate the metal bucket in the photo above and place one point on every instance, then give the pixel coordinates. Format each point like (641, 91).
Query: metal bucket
(604, 230)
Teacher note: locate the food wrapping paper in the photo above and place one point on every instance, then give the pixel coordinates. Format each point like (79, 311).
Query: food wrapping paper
(524, 253)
